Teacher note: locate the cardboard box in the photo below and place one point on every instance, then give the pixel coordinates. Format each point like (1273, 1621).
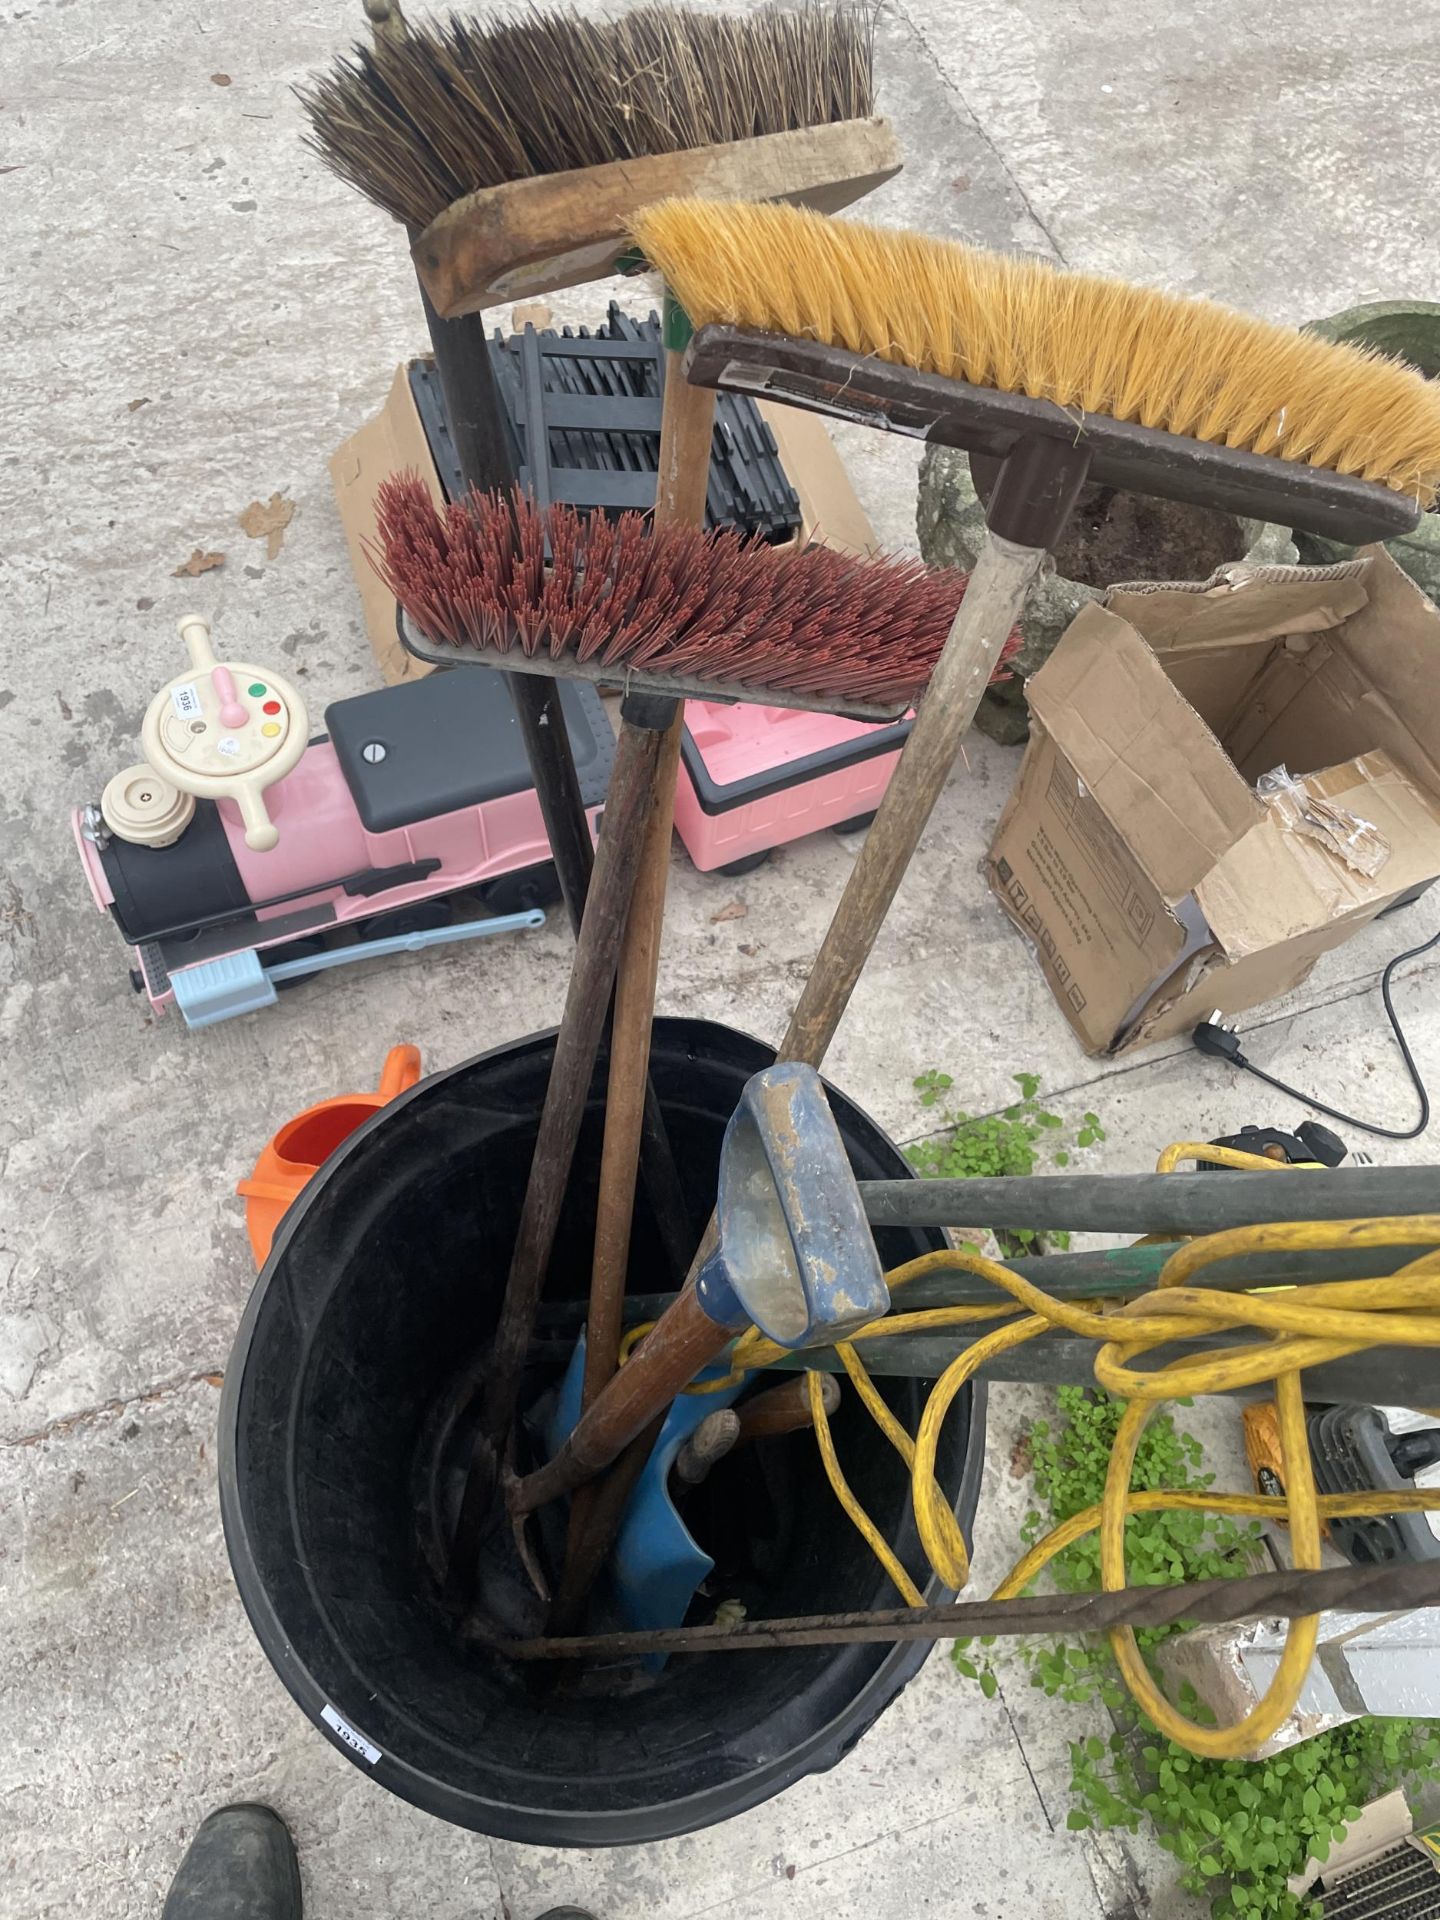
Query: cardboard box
(395, 441)
(1135, 854)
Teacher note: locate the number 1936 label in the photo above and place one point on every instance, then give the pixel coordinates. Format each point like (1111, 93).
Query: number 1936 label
(355, 1741)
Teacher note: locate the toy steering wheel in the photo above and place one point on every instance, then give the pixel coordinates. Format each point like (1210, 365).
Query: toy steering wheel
(225, 731)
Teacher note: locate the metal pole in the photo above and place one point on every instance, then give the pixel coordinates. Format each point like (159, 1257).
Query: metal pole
(1116, 1273)
(1178, 1203)
(1403, 1376)
(1286, 1595)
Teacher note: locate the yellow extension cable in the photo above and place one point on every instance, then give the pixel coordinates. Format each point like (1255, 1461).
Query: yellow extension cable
(1296, 1327)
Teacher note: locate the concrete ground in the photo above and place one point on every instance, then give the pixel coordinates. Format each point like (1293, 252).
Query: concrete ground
(196, 314)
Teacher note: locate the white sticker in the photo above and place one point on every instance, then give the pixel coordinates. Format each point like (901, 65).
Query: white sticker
(229, 746)
(186, 701)
(355, 1741)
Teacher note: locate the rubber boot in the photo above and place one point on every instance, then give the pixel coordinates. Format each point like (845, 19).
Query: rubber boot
(241, 1866)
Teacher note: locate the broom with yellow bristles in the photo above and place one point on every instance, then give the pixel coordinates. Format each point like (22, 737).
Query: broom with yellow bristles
(1055, 377)
(1058, 377)
(799, 305)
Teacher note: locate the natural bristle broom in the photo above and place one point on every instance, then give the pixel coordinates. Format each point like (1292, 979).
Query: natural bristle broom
(669, 606)
(454, 106)
(641, 602)
(517, 153)
(1175, 364)
(1056, 376)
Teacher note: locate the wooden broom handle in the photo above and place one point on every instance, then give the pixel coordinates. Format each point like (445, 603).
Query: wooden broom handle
(993, 601)
(587, 1001)
(687, 426)
(687, 430)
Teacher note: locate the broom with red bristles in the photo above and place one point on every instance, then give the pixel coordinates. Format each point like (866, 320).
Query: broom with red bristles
(621, 600)
(673, 608)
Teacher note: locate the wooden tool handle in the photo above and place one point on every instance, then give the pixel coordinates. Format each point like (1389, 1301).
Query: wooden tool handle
(687, 426)
(587, 1000)
(993, 602)
(1034, 494)
(779, 1410)
(687, 431)
(784, 1409)
(711, 1441)
(629, 1070)
(667, 1360)
(586, 1003)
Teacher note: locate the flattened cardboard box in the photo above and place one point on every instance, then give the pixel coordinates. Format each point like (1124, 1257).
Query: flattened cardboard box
(394, 441)
(1135, 853)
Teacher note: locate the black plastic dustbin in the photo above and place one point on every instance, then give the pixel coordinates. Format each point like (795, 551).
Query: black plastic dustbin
(384, 1277)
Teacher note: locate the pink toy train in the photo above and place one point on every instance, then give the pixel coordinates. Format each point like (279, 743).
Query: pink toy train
(416, 797)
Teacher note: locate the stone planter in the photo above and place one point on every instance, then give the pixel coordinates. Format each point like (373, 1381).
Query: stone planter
(1409, 329)
(1114, 537)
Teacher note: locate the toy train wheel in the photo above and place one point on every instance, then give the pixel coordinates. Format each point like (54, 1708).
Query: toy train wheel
(734, 868)
(858, 825)
(421, 916)
(518, 892)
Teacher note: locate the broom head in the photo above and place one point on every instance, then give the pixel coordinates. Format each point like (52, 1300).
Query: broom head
(672, 610)
(1175, 396)
(521, 151)
(565, 229)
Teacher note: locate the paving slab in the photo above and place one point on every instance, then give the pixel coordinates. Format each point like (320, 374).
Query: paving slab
(196, 315)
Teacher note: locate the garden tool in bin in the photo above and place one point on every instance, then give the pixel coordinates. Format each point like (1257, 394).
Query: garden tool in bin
(657, 1564)
(794, 1257)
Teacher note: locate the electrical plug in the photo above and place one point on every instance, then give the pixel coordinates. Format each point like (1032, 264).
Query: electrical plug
(1220, 1039)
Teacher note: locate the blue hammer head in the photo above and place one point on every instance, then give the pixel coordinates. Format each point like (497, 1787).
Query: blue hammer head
(795, 1253)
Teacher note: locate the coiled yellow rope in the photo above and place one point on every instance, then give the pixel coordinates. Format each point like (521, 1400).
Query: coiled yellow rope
(1295, 1327)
